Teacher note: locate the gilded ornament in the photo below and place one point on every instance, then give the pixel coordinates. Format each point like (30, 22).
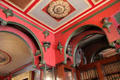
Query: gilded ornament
(59, 9)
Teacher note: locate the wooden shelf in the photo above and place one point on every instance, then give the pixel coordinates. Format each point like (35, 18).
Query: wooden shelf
(99, 66)
(104, 61)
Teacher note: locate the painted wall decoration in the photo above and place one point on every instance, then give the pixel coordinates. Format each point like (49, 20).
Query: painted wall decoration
(117, 17)
(4, 58)
(8, 12)
(46, 33)
(45, 13)
(38, 15)
(106, 23)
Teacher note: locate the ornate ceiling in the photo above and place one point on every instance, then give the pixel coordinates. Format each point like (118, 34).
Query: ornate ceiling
(14, 53)
(54, 14)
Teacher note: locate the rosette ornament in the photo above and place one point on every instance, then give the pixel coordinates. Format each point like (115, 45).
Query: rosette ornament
(59, 9)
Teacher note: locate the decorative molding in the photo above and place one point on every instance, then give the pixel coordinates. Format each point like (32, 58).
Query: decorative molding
(96, 2)
(60, 47)
(59, 9)
(46, 45)
(106, 23)
(8, 12)
(46, 33)
(36, 39)
(89, 17)
(24, 20)
(60, 27)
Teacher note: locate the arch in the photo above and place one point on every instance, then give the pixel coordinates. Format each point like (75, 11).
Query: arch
(21, 39)
(16, 51)
(77, 45)
(28, 30)
(29, 33)
(78, 31)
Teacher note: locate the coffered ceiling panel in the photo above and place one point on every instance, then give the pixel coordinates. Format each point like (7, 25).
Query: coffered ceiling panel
(20, 3)
(38, 13)
(54, 14)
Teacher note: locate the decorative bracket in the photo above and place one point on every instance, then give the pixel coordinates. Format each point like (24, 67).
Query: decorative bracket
(46, 33)
(8, 12)
(60, 47)
(46, 45)
(106, 23)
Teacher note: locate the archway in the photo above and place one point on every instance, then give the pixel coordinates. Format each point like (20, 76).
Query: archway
(88, 38)
(20, 46)
(15, 52)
